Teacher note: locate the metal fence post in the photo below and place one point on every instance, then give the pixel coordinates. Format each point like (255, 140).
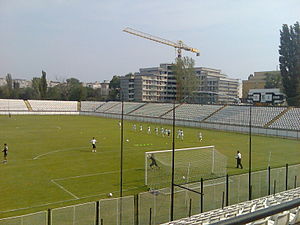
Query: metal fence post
(150, 217)
(190, 209)
(49, 216)
(136, 205)
(286, 176)
(269, 180)
(227, 190)
(97, 212)
(201, 199)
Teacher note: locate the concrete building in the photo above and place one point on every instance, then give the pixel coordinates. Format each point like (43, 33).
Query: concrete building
(158, 84)
(2, 82)
(22, 83)
(104, 86)
(256, 81)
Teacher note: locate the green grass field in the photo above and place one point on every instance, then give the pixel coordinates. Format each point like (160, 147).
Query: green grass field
(50, 163)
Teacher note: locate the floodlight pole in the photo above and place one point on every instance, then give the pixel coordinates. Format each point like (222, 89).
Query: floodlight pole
(121, 146)
(250, 153)
(173, 163)
(121, 156)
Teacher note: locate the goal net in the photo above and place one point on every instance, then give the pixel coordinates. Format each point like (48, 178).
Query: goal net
(191, 164)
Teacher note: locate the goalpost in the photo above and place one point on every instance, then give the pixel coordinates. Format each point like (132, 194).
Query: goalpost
(191, 164)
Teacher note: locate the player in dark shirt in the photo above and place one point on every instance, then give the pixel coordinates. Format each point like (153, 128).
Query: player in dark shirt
(5, 151)
(153, 161)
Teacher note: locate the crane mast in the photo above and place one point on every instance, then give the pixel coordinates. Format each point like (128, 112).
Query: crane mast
(179, 45)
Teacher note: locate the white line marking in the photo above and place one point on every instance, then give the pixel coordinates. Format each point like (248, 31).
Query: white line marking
(58, 150)
(58, 202)
(69, 192)
(93, 174)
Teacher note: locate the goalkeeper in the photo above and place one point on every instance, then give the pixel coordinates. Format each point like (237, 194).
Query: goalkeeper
(153, 162)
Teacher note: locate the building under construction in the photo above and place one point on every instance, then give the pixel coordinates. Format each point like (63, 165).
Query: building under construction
(158, 84)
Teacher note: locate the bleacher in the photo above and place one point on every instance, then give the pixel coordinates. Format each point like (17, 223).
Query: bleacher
(89, 106)
(57, 106)
(239, 115)
(153, 109)
(128, 107)
(289, 120)
(107, 106)
(289, 217)
(12, 105)
(193, 112)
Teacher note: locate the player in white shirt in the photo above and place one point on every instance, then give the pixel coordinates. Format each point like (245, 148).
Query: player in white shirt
(178, 133)
(166, 132)
(181, 135)
(94, 141)
(120, 124)
(156, 130)
(134, 127)
(141, 128)
(238, 158)
(200, 136)
(149, 130)
(162, 131)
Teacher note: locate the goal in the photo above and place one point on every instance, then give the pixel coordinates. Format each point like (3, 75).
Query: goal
(191, 164)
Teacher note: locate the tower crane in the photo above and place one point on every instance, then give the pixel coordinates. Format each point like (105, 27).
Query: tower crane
(179, 45)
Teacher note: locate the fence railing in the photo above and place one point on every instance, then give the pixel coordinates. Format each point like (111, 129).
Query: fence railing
(153, 207)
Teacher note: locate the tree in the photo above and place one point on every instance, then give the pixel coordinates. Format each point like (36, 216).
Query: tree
(75, 90)
(114, 85)
(289, 60)
(186, 79)
(43, 85)
(36, 87)
(9, 85)
(273, 80)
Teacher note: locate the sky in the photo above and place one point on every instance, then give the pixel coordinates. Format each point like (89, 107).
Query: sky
(84, 38)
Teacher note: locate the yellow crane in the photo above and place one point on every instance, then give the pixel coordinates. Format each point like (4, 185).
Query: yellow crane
(179, 45)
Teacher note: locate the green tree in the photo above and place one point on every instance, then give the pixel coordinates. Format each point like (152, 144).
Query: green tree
(273, 80)
(9, 85)
(289, 60)
(75, 90)
(36, 87)
(114, 86)
(43, 85)
(186, 79)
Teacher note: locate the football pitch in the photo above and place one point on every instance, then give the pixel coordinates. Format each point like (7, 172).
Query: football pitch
(50, 162)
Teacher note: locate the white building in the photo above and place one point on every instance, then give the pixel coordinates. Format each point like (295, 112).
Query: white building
(158, 84)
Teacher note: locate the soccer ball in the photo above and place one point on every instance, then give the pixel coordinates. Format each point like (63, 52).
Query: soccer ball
(127, 140)
(110, 195)
(183, 177)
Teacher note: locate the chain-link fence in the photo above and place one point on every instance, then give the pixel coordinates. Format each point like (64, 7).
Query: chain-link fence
(153, 207)
(40, 218)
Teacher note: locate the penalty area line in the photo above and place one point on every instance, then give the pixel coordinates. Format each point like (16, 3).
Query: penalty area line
(63, 201)
(64, 189)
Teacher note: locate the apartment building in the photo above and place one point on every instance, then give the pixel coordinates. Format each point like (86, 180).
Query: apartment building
(158, 84)
(256, 81)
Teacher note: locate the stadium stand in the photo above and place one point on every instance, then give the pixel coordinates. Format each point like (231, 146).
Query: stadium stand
(57, 106)
(193, 112)
(153, 109)
(107, 106)
(289, 120)
(239, 115)
(12, 105)
(88, 106)
(128, 107)
(287, 217)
